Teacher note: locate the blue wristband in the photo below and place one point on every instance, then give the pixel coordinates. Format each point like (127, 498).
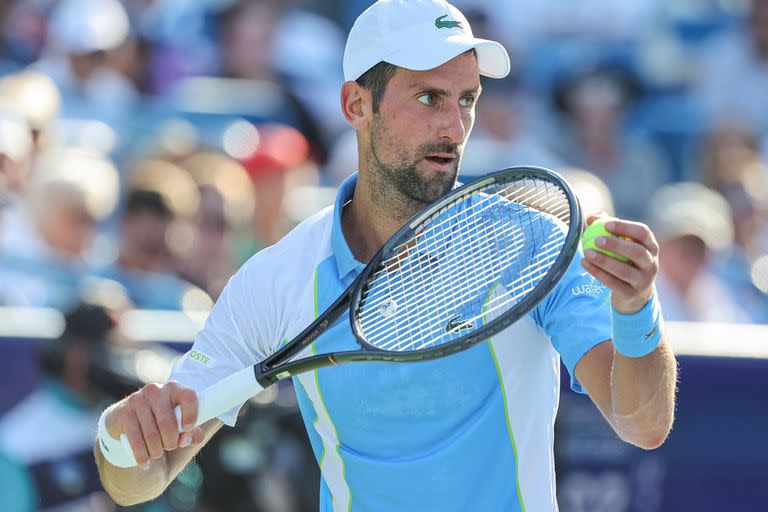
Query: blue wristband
(639, 333)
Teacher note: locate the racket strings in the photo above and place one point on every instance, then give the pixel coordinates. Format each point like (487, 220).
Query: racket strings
(513, 292)
(438, 289)
(433, 241)
(466, 279)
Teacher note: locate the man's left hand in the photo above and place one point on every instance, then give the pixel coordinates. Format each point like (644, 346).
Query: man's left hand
(631, 283)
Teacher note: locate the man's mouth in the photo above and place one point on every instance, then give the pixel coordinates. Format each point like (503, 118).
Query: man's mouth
(441, 160)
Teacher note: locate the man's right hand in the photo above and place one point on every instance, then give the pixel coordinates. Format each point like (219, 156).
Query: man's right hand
(147, 418)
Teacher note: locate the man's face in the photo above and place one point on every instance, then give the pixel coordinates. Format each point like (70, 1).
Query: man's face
(417, 138)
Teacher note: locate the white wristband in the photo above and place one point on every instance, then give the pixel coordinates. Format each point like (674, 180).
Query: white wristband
(117, 453)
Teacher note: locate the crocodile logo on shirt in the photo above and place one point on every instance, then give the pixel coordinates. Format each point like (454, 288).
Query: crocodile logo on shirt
(456, 325)
(440, 23)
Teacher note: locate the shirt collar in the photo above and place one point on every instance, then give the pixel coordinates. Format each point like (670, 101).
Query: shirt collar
(345, 260)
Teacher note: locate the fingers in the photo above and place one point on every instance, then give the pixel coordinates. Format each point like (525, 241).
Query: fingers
(195, 436)
(132, 430)
(637, 231)
(149, 429)
(159, 400)
(636, 253)
(631, 283)
(147, 418)
(186, 398)
(616, 275)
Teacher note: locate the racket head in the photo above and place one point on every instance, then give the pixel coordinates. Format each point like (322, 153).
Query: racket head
(399, 290)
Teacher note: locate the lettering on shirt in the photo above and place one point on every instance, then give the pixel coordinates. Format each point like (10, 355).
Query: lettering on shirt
(588, 289)
(196, 355)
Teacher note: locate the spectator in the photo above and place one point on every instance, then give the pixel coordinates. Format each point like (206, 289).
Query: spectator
(82, 34)
(745, 187)
(226, 206)
(248, 38)
(733, 71)
(692, 224)
(144, 261)
(45, 248)
(506, 132)
(307, 55)
(278, 152)
(46, 459)
(730, 147)
(593, 135)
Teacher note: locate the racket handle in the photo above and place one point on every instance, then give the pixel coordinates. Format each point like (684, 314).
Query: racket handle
(224, 395)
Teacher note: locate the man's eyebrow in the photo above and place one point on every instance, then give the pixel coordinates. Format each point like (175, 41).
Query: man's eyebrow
(443, 92)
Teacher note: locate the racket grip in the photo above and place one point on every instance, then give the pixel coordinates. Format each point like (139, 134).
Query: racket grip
(218, 398)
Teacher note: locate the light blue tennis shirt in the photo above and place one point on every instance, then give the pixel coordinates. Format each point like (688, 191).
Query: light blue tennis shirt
(472, 431)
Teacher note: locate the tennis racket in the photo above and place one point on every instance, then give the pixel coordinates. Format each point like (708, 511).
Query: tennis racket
(463, 269)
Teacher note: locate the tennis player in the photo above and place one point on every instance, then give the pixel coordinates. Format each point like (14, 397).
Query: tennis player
(473, 431)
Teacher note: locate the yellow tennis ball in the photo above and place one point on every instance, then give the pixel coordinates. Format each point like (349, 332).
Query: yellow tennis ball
(597, 229)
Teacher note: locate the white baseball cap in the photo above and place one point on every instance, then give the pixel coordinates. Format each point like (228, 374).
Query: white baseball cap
(417, 35)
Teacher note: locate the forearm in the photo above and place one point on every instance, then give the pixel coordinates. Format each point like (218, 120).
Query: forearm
(643, 396)
(129, 486)
(148, 420)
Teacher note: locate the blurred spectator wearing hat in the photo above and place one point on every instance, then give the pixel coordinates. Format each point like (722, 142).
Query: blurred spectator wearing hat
(594, 135)
(46, 459)
(160, 197)
(44, 249)
(274, 156)
(693, 224)
(83, 41)
(733, 71)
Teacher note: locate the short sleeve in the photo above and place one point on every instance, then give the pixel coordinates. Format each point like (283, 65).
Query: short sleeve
(576, 315)
(238, 333)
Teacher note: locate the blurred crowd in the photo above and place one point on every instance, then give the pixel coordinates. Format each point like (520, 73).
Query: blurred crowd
(160, 143)
(153, 146)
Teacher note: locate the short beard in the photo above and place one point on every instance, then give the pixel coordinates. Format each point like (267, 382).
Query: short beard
(397, 187)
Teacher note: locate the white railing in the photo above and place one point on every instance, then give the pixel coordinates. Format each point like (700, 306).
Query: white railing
(687, 338)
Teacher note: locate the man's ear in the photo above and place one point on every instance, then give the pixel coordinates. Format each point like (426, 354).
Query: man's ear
(356, 105)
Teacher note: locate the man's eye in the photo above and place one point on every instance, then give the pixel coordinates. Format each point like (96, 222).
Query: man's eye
(467, 101)
(427, 99)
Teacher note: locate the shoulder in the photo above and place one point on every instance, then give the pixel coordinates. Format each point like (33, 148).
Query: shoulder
(272, 289)
(280, 271)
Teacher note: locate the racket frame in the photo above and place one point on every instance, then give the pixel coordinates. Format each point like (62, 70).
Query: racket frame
(279, 365)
